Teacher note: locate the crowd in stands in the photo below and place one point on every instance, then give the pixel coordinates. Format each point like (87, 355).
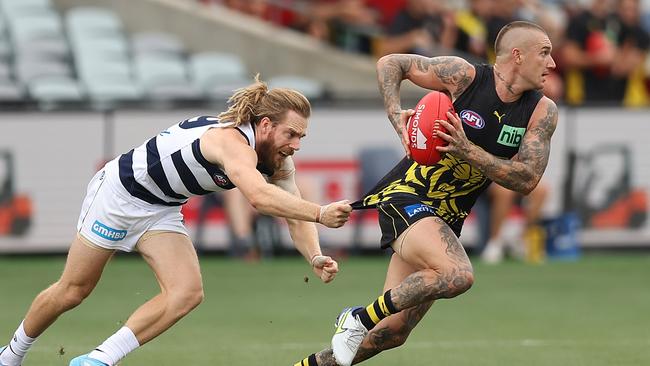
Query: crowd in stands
(600, 46)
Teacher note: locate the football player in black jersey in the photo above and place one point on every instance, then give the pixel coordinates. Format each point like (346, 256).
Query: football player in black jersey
(505, 138)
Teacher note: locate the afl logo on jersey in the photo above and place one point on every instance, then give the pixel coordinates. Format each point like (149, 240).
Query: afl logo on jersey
(472, 119)
(222, 181)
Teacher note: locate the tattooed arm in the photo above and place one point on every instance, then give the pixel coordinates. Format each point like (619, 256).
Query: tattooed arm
(447, 73)
(524, 170)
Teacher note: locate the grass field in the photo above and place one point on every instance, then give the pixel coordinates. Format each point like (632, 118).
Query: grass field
(592, 312)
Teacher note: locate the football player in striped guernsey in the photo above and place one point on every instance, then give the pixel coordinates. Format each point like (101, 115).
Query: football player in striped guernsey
(133, 204)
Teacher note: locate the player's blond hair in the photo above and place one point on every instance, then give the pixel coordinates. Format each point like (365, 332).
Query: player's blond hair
(256, 101)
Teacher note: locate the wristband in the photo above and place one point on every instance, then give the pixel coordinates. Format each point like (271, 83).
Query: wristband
(313, 258)
(321, 212)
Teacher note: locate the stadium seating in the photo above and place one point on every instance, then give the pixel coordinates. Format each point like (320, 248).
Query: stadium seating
(164, 78)
(28, 70)
(9, 92)
(44, 48)
(13, 8)
(87, 20)
(50, 92)
(310, 88)
(218, 74)
(85, 54)
(5, 49)
(157, 43)
(5, 72)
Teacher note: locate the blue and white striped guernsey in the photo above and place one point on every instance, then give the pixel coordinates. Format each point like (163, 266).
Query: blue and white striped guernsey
(169, 168)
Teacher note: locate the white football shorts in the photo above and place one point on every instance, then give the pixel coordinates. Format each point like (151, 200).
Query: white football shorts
(112, 219)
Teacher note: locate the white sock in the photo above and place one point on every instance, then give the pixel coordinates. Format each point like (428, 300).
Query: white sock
(495, 243)
(17, 347)
(116, 347)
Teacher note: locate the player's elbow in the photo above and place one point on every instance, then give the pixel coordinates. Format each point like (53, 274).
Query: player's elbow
(384, 61)
(526, 180)
(261, 200)
(528, 186)
(526, 189)
(257, 201)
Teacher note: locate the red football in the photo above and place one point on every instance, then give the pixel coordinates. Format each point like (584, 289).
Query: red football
(422, 126)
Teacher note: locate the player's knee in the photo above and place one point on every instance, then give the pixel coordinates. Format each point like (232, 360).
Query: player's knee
(456, 281)
(184, 301)
(463, 281)
(71, 295)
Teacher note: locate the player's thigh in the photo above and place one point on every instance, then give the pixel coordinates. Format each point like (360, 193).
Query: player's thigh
(431, 244)
(84, 264)
(397, 271)
(173, 259)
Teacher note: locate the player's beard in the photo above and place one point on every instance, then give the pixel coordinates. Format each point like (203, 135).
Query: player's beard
(267, 156)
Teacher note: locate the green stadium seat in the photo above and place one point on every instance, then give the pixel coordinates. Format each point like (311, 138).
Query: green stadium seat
(13, 8)
(28, 70)
(10, 92)
(210, 70)
(310, 88)
(164, 77)
(55, 89)
(156, 43)
(92, 19)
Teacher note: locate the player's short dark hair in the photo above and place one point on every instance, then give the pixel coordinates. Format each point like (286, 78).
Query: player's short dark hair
(510, 26)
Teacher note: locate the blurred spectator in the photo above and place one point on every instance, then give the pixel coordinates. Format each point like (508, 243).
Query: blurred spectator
(267, 10)
(634, 43)
(503, 12)
(528, 243)
(472, 28)
(240, 218)
(554, 20)
(387, 10)
(604, 53)
(547, 14)
(421, 27)
(348, 24)
(645, 15)
(252, 236)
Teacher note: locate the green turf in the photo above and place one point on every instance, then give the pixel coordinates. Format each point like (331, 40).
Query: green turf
(593, 312)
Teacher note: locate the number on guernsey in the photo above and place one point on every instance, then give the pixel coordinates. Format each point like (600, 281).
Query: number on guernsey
(198, 121)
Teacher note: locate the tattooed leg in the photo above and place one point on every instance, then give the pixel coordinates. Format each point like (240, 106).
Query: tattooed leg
(392, 331)
(431, 264)
(444, 270)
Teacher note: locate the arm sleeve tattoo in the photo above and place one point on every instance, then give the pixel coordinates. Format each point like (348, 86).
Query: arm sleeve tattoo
(524, 170)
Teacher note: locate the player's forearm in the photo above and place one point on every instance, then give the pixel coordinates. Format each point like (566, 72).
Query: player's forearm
(305, 238)
(390, 73)
(273, 201)
(512, 174)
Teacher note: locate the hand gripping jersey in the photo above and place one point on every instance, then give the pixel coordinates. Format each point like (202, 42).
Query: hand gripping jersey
(450, 188)
(169, 168)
